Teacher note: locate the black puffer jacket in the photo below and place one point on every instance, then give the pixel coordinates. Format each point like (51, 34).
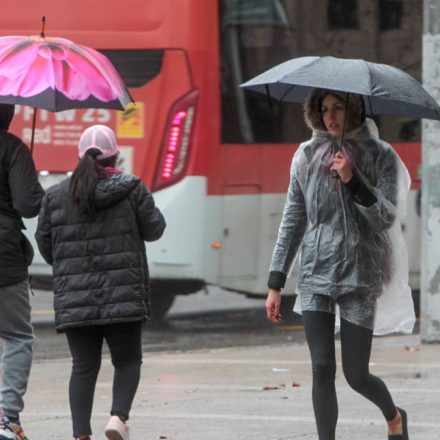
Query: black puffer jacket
(99, 266)
(20, 196)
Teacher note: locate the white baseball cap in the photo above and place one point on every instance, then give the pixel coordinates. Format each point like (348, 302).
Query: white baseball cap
(100, 137)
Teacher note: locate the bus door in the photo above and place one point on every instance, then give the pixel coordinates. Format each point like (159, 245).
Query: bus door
(255, 136)
(241, 214)
(239, 258)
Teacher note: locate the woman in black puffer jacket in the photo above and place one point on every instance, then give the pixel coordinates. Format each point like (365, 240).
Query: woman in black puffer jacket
(92, 228)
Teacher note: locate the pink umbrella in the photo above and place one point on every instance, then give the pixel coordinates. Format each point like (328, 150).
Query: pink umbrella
(56, 74)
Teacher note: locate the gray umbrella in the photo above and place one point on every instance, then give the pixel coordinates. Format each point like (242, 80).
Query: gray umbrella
(386, 90)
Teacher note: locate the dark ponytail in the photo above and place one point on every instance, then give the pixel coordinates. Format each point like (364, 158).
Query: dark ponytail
(84, 179)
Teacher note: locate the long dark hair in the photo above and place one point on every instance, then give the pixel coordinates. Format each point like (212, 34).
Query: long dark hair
(84, 179)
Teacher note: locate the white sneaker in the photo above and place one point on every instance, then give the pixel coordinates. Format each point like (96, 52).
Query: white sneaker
(116, 429)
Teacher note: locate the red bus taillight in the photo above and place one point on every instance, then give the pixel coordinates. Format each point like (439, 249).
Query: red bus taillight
(176, 145)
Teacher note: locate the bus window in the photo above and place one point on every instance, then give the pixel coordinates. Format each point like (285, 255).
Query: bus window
(254, 35)
(136, 67)
(258, 34)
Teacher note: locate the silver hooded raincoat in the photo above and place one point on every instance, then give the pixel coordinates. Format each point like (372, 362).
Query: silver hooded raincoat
(344, 246)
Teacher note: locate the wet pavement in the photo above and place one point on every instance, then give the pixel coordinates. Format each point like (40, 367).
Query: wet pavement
(229, 373)
(219, 319)
(238, 393)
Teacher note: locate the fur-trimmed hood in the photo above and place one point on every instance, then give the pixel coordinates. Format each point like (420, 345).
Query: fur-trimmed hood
(355, 114)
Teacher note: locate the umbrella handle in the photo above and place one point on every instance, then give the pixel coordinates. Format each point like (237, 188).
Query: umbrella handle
(34, 122)
(335, 149)
(43, 26)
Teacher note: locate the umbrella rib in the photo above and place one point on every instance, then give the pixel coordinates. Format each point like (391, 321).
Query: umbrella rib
(266, 86)
(370, 105)
(288, 91)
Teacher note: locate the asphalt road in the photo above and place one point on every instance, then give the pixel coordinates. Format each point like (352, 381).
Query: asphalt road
(212, 319)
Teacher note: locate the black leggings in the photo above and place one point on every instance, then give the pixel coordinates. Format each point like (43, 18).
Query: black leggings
(355, 351)
(85, 343)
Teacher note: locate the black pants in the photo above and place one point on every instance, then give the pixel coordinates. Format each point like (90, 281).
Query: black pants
(85, 343)
(355, 351)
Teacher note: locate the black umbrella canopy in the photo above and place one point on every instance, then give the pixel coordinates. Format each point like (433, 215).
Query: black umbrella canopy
(386, 90)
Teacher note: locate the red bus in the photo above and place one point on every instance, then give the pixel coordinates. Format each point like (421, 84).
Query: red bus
(216, 157)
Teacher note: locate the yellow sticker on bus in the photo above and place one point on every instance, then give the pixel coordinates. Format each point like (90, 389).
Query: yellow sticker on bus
(130, 123)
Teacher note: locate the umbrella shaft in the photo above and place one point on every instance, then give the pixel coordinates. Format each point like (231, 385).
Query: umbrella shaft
(34, 122)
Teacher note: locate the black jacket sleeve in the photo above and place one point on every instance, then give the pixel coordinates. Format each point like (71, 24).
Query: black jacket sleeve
(149, 218)
(277, 280)
(43, 235)
(26, 191)
(360, 192)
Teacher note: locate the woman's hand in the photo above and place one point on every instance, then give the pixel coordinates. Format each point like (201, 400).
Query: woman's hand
(273, 304)
(341, 164)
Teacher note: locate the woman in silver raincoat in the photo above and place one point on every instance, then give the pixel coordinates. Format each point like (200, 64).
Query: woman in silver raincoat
(345, 201)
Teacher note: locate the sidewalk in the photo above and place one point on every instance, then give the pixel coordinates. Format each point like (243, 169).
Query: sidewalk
(243, 393)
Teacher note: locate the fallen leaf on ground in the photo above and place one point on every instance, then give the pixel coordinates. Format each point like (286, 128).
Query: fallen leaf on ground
(412, 348)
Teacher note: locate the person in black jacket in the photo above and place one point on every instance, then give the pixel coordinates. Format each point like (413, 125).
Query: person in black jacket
(92, 228)
(20, 196)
